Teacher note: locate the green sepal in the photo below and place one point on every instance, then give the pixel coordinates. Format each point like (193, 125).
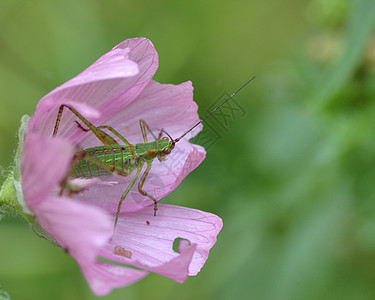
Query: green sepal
(11, 196)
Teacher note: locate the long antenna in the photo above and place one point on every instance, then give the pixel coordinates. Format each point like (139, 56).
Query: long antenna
(217, 107)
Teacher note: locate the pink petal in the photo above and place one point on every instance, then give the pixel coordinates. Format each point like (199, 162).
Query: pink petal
(113, 64)
(161, 106)
(104, 277)
(101, 88)
(45, 162)
(81, 229)
(177, 268)
(182, 167)
(150, 239)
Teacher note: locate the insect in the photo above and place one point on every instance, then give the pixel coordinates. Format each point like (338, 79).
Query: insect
(113, 158)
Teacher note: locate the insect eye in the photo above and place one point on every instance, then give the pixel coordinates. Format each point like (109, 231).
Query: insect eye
(165, 138)
(167, 150)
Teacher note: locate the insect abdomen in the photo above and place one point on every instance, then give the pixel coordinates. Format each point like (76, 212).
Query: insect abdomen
(103, 161)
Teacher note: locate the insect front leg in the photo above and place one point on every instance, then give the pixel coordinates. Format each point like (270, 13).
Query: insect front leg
(144, 126)
(143, 192)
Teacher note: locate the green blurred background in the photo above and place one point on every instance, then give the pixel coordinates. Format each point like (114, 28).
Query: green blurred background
(293, 179)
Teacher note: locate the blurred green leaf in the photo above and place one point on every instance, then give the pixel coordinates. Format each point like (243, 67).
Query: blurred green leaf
(360, 27)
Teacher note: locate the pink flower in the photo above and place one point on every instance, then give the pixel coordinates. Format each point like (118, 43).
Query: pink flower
(118, 90)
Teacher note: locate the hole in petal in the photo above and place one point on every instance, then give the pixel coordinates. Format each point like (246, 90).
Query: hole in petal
(180, 244)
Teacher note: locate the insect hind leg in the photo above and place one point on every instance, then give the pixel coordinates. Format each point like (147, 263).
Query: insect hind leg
(100, 134)
(116, 133)
(110, 128)
(81, 127)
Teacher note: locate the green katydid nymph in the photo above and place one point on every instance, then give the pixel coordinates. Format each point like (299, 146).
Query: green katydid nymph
(113, 158)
